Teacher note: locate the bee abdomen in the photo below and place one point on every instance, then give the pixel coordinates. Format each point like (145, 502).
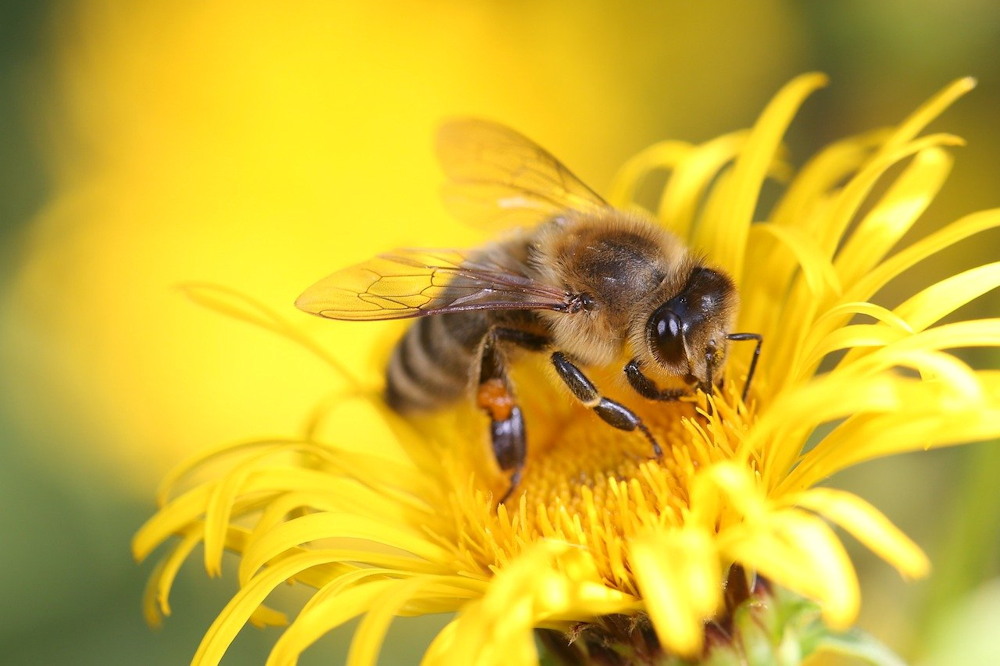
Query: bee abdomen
(431, 365)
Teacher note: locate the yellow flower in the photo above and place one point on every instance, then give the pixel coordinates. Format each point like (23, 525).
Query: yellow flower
(598, 530)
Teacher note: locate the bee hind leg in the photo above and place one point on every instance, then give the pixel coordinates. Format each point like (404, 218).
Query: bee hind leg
(496, 397)
(509, 447)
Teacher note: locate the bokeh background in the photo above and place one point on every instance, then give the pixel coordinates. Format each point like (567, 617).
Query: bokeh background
(261, 145)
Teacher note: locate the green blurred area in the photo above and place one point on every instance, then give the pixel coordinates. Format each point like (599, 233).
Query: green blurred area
(71, 590)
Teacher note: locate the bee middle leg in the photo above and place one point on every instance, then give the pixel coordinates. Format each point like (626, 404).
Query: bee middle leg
(495, 396)
(613, 413)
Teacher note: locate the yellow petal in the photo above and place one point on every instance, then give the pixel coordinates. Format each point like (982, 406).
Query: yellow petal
(725, 232)
(894, 213)
(868, 525)
(497, 629)
(692, 177)
(370, 634)
(679, 575)
(662, 156)
(156, 598)
(319, 618)
(319, 526)
(816, 268)
(919, 427)
(858, 190)
(927, 246)
(800, 552)
(930, 110)
(243, 605)
(780, 432)
(935, 302)
(823, 174)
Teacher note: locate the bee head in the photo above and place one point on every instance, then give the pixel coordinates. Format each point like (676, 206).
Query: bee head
(686, 335)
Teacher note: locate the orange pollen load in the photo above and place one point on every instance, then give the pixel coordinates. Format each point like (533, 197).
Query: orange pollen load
(494, 397)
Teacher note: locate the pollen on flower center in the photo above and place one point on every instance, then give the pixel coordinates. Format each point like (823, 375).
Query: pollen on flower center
(586, 458)
(591, 485)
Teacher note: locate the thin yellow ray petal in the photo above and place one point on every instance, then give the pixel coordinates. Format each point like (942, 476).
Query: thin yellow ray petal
(880, 275)
(351, 558)
(314, 622)
(662, 156)
(247, 486)
(930, 110)
(943, 298)
(370, 634)
(156, 597)
(242, 606)
(957, 382)
(264, 616)
(324, 610)
(220, 502)
(786, 339)
(868, 525)
(331, 492)
(319, 526)
(170, 520)
(839, 315)
(441, 649)
(218, 513)
(856, 336)
(820, 176)
(973, 333)
(869, 436)
(278, 511)
(215, 455)
(684, 191)
(858, 190)
(921, 351)
(780, 432)
(817, 271)
(806, 206)
(818, 280)
(893, 215)
(724, 233)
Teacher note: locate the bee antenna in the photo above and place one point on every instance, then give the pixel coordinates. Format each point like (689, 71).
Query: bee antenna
(739, 337)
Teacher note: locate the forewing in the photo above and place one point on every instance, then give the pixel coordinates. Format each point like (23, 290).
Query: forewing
(415, 283)
(500, 177)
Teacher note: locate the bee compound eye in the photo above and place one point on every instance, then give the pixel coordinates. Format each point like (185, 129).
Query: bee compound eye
(666, 336)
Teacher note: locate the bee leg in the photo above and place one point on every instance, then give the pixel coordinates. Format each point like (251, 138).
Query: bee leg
(759, 339)
(613, 413)
(646, 387)
(495, 397)
(509, 447)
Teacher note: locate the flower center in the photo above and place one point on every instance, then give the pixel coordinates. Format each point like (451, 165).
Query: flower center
(587, 459)
(589, 484)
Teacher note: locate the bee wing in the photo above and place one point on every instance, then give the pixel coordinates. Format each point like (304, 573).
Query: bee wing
(416, 283)
(500, 176)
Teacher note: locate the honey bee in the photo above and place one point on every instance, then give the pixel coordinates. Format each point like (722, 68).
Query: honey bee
(589, 285)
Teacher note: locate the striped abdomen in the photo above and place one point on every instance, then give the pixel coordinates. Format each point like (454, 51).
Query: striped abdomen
(432, 364)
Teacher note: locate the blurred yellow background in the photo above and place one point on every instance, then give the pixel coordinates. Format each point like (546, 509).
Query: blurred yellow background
(262, 145)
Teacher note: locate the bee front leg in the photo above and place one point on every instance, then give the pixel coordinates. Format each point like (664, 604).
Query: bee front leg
(613, 413)
(646, 387)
